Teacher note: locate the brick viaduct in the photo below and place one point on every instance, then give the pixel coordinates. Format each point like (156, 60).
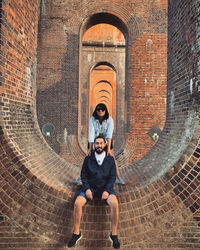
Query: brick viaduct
(46, 68)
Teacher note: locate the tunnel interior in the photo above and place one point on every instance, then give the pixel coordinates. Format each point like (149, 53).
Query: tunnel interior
(45, 102)
(102, 44)
(176, 124)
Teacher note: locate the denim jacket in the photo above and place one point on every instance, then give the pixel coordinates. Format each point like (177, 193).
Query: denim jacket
(95, 128)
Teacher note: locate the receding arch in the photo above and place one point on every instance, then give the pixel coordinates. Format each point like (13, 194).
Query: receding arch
(108, 18)
(102, 57)
(106, 64)
(105, 91)
(104, 81)
(97, 87)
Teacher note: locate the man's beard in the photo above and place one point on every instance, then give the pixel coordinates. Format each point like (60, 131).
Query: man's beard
(99, 150)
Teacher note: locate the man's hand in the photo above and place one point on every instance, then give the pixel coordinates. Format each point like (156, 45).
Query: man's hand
(89, 194)
(105, 195)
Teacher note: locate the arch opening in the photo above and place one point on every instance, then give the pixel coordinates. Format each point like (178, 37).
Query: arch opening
(102, 68)
(103, 91)
(181, 111)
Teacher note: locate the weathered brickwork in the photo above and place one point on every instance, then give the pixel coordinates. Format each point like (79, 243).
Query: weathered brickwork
(148, 91)
(62, 73)
(159, 205)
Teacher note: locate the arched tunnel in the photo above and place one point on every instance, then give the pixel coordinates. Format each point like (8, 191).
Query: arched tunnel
(49, 71)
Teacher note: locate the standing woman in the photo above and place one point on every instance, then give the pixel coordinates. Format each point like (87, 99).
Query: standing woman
(101, 123)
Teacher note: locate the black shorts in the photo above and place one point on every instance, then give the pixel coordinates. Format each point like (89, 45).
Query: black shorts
(94, 193)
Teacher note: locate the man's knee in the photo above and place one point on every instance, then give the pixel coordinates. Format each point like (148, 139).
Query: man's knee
(112, 201)
(79, 202)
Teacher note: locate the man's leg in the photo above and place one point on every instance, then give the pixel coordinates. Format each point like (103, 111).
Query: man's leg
(113, 203)
(78, 206)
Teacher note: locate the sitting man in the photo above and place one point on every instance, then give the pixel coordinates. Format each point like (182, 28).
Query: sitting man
(98, 175)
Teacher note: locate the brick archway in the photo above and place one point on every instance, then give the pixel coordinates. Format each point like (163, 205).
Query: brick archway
(102, 59)
(103, 91)
(159, 206)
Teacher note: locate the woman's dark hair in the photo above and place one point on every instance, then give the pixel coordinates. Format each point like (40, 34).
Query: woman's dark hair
(103, 107)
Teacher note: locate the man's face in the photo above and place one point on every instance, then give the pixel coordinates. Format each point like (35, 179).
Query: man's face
(99, 145)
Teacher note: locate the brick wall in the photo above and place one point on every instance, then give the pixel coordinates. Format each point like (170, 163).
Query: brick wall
(159, 205)
(141, 103)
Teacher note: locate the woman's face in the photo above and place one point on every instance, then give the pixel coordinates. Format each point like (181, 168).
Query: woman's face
(100, 112)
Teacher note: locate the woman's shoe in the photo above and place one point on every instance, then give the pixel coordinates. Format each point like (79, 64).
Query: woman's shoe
(120, 181)
(78, 181)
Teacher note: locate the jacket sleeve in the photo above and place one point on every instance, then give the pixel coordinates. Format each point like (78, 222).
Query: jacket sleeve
(91, 130)
(110, 128)
(112, 176)
(84, 176)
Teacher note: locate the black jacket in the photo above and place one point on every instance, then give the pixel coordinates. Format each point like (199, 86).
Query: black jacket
(100, 178)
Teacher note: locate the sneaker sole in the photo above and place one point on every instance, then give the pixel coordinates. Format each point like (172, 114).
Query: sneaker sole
(76, 242)
(112, 242)
(78, 239)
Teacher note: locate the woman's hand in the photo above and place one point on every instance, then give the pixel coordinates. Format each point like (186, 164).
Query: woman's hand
(109, 151)
(89, 152)
(90, 149)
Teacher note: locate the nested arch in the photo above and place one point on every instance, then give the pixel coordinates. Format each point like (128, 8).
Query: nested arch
(107, 18)
(103, 38)
(101, 90)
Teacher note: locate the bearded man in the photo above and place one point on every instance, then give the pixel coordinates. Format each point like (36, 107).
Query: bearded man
(98, 175)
